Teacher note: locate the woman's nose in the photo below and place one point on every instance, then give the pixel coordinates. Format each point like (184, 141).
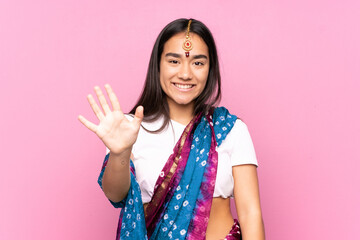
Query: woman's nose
(185, 72)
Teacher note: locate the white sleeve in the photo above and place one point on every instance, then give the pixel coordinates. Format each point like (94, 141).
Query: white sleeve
(243, 151)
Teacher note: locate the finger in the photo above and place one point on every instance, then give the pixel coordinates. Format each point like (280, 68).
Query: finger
(92, 127)
(99, 114)
(113, 99)
(139, 115)
(102, 100)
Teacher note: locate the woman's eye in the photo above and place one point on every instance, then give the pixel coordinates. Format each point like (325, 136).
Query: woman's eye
(174, 61)
(199, 63)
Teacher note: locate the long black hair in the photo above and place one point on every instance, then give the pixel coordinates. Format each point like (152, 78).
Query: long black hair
(153, 98)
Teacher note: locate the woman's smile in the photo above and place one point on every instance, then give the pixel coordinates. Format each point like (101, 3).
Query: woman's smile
(184, 87)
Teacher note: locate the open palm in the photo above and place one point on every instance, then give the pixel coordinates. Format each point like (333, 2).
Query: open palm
(117, 133)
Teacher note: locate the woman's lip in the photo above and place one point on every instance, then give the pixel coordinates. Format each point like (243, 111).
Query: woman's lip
(183, 89)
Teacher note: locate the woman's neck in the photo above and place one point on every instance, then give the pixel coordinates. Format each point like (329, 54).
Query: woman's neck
(181, 113)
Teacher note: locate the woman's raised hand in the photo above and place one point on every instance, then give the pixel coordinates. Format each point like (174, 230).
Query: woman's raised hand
(117, 133)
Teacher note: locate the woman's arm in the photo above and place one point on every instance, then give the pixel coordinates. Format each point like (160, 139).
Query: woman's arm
(116, 179)
(118, 134)
(247, 200)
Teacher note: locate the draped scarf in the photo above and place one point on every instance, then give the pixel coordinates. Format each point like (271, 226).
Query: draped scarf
(181, 203)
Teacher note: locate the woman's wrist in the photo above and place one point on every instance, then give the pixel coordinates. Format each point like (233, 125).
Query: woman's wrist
(121, 153)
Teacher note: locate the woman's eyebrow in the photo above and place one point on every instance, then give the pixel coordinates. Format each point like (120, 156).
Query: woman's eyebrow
(176, 55)
(200, 56)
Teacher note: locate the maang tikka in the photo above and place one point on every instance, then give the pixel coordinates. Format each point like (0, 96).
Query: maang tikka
(187, 45)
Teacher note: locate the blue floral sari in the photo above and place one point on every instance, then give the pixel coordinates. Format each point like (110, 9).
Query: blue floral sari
(181, 203)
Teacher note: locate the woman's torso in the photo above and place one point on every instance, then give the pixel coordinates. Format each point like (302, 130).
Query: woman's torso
(151, 152)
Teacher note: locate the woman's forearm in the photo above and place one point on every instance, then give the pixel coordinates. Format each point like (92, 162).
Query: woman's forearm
(116, 179)
(252, 226)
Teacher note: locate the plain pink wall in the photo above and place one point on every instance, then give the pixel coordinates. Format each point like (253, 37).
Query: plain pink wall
(290, 70)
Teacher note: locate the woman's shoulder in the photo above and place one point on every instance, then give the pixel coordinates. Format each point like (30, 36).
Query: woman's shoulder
(239, 144)
(240, 125)
(223, 113)
(239, 128)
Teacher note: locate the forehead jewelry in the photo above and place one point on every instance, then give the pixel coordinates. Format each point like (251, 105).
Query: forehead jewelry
(187, 45)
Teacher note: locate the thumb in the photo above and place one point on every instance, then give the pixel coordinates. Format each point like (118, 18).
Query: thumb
(139, 115)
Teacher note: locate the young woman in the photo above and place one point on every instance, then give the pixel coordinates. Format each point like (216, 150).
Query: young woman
(174, 162)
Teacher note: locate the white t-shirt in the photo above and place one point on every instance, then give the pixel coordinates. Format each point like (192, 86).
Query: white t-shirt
(152, 150)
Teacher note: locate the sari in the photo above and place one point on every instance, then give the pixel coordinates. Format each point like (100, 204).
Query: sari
(183, 193)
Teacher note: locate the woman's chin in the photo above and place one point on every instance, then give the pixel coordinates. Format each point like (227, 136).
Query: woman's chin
(182, 102)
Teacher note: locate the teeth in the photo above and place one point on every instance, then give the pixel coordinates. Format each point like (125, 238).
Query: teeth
(183, 86)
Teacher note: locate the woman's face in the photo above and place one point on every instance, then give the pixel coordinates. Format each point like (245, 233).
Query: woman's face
(184, 78)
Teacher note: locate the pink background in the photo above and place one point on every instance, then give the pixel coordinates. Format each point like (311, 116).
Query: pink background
(290, 70)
